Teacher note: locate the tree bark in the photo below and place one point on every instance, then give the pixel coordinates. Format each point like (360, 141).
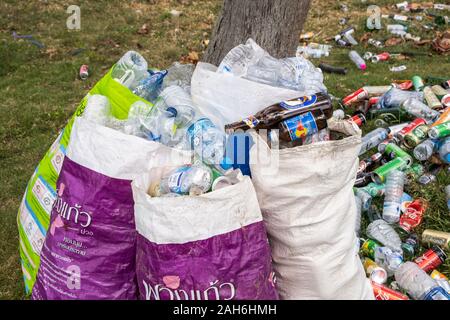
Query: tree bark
(274, 24)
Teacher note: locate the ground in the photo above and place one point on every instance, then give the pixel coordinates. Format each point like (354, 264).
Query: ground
(39, 88)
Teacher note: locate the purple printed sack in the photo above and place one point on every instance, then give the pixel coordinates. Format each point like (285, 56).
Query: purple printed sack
(209, 247)
(90, 249)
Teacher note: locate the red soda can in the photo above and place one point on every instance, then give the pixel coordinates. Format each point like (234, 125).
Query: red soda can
(410, 127)
(431, 259)
(413, 214)
(381, 292)
(358, 119)
(356, 96)
(84, 72)
(384, 56)
(373, 101)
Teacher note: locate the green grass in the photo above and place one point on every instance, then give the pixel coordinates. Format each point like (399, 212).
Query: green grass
(40, 88)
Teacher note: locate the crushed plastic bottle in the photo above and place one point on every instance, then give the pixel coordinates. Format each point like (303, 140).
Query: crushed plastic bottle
(381, 231)
(240, 57)
(420, 110)
(184, 180)
(393, 194)
(396, 97)
(373, 139)
(418, 284)
(425, 149)
(150, 87)
(130, 70)
(390, 260)
(444, 150)
(179, 75)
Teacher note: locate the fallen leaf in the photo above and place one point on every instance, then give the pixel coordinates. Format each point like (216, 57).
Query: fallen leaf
(393, 42)
(193, 56)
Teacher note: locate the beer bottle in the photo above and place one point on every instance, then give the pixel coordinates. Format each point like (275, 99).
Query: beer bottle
(270, 117)
(302, 125)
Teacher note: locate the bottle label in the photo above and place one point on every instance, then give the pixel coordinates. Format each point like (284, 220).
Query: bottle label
(301, 126)
(437, 293)
(174, 181)
(299, 103)
(251, 122)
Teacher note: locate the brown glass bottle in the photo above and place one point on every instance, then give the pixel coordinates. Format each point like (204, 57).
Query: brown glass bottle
(270, 117)
(301, 126)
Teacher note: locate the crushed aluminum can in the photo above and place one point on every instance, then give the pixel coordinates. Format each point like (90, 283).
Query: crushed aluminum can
(84, 72)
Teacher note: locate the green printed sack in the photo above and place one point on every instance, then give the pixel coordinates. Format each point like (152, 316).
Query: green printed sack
(34, 212)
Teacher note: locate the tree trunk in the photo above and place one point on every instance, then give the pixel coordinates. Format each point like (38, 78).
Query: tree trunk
(274, 24)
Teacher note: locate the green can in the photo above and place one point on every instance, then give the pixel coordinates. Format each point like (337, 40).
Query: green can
(440, 131)
(416, 136)
(368, 248)
(417, 83)
(379, 175)
(392, 148)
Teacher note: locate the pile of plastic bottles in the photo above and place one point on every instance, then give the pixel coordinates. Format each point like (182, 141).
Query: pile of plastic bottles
(168, 115)
(411, 143)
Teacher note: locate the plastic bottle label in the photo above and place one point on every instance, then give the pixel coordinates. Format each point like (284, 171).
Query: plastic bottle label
(437, 293)
(299, 103)
(174, 181)
(301, 126)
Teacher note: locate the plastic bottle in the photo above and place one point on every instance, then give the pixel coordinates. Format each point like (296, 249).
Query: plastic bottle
(178, 102)
(381, 231)
(444, 150)
(240, 57)
(180, 75)
(390, 260)
(150, 87)
(418, 284)
(130, 69)
(393, 194)
(208, 142)
(357, 60)
(373, 139)
(420, 110)
(98, 109)
(184, 180)
(396, 97)
(425, 150)
(447, 194)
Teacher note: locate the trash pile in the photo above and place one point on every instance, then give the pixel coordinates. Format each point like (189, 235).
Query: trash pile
(392, 156)
(204, 182)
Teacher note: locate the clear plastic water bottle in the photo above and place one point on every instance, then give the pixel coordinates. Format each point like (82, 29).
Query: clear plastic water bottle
(150, 87)
(420, 110)
(130, 69)
(396, 97)
(240, 57)
(208, 142)
(393, 194)
(190, 179)
(178, 102)
(444, 150)
(425, 150)
(98, 109)
(381, 231)
(179, 75)
(390, 260)
(418, 284)
(357, 60)
(373, 139)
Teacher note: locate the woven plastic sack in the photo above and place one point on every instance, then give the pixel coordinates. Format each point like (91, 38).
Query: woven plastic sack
(209, 247)
(34, 213)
